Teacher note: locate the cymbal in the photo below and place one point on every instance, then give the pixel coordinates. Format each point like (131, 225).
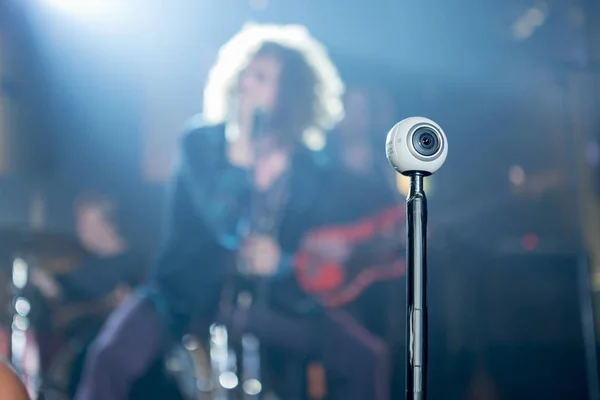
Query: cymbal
(40, 244)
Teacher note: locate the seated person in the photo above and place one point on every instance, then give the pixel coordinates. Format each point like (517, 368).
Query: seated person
(107, 273)
(80, 300)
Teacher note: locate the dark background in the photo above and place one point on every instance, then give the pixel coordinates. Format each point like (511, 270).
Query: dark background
(84, 85)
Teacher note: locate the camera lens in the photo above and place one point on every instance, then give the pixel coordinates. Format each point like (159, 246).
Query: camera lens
(426, 141)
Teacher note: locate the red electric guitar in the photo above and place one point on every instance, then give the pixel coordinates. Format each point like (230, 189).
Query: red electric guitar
(336, 264)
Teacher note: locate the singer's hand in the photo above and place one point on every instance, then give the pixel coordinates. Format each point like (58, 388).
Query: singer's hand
(240, 153)
(261, 255)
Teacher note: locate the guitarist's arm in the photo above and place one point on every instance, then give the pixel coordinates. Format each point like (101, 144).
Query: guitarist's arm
(47, 285)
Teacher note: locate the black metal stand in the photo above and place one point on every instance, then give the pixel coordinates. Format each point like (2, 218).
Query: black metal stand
(416, 285)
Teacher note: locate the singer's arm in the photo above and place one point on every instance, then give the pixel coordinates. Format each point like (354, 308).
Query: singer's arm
(204, 206)
(213, 190)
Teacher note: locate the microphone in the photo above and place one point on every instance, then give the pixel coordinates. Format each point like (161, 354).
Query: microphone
(260, 123)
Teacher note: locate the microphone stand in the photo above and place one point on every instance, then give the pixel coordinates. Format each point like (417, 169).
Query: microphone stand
(416, 289)
(253, 363)
(264, 220)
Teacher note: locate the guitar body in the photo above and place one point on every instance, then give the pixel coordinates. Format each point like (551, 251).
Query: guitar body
(373, 252)
(12, 387)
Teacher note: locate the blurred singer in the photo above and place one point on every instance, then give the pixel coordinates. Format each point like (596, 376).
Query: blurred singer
(228, 160)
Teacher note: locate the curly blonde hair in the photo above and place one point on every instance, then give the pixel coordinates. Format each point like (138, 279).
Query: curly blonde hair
(310, 88)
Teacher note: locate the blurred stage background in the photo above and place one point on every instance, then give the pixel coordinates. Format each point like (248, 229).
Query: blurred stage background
(93, 94)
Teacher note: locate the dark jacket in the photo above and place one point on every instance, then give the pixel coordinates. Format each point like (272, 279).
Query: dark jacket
(210, 200)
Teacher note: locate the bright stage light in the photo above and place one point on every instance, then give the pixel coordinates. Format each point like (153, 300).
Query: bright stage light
(106, 17)
(87, 7)
(74, 4)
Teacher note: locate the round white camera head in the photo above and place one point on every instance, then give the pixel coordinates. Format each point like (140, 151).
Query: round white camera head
(416, 144)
